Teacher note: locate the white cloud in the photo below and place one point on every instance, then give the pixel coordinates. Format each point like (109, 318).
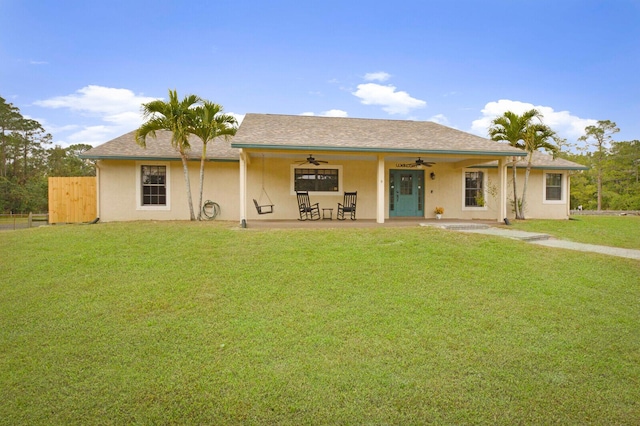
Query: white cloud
(117, 110)
(566, 125)
(329, 113)
(392, 101)
(91, 135)
(238, 117)
(106, 113)
(335, 113)
(377, 76)
(98, 100)
(440, 119)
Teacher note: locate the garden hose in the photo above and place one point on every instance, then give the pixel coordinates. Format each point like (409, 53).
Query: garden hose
(210, 209)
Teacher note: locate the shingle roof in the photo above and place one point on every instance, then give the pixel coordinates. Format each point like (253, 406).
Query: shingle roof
(125, 147)
(357, 134)
(542, 160)
(325, 134)
(546, 161)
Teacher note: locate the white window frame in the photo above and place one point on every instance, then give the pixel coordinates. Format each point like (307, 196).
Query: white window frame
(139, 205)
(563, 187)
(485, 178)
(311, 166)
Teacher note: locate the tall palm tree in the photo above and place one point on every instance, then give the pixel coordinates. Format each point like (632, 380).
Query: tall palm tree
(209, 123)
(537, 137)
(511, 128)
(177, 117)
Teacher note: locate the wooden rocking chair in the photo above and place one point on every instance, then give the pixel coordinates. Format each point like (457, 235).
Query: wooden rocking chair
(348, 206)
(307, 210)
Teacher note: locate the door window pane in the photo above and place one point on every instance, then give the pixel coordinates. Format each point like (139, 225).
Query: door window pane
(406, 184)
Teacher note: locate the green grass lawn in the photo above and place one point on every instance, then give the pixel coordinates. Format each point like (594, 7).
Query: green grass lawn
(203, 323)
(615, 231)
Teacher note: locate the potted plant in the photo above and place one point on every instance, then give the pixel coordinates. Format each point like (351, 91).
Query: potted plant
(439, 211)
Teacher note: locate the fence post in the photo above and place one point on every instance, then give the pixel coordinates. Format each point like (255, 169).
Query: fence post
(29, 220)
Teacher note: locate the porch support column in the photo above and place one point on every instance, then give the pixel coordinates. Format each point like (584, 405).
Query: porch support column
(568, 192)
(380, 206)
(243, 189)
(502, 189)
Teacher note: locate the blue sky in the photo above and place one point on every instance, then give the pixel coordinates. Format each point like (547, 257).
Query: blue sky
(82, 68)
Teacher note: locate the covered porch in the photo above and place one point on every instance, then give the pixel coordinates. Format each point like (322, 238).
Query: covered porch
(400, 169)
(390, 186)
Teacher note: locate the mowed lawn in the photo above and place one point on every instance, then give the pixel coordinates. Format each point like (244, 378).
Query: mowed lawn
(615, 231)
(204, 323)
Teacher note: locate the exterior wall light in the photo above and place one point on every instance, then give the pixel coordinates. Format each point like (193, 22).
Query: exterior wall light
(433, 176)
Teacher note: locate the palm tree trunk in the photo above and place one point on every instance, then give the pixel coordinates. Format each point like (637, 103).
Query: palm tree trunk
(204, 154)
(185, 167)
(524, 188)
(515, 188)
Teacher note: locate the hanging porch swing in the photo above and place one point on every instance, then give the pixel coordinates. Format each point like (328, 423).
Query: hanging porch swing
(263, 208)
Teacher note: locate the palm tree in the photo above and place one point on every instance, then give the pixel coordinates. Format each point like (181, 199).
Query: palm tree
(177, 117)
(511, 127)
(209, 123)
(536, 138)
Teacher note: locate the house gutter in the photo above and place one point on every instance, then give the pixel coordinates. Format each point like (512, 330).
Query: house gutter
(480, 166)
(380, 150)
(138, 158)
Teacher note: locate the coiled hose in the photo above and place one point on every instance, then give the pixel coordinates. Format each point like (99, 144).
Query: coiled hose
(210, 209)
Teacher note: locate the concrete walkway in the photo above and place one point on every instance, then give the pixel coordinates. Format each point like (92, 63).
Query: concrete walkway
(537, 238)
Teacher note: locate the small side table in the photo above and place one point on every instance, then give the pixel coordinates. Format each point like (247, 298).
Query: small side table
(324, 214)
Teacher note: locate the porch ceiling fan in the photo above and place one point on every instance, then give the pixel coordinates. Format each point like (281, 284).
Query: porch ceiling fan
(311, 160)
(421, 162)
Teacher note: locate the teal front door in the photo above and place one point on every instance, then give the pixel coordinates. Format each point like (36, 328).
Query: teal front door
(406, 193)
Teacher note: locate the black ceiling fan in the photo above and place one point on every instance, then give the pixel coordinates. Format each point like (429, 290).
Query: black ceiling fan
(421, 162)
(311, 160)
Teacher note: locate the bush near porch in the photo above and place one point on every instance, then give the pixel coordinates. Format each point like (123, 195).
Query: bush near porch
(203, 323)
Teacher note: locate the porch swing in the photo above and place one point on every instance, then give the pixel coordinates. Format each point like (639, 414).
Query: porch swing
(263, 208)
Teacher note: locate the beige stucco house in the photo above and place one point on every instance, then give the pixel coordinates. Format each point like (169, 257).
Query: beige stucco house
(273, 156)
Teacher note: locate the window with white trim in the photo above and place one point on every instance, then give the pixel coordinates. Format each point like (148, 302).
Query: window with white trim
(553, 187)
(474, 189)
(152, 185)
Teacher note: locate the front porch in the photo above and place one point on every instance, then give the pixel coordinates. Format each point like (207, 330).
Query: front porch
(400, 169)
(389, 187)
(366, 223)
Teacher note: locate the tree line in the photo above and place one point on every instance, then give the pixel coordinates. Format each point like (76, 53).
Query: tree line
(27, 157)
(615, 170)
(612, 181)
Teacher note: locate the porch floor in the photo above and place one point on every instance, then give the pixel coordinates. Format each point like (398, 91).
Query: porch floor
(367, 223)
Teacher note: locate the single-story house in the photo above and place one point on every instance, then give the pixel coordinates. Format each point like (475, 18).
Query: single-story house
(398, 169)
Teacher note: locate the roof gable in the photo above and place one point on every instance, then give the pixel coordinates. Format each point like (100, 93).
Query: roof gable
(359, 134)
(125, 147)
(325, 134)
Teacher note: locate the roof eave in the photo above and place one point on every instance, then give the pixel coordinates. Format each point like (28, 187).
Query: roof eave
(150, 158)
(377, 150)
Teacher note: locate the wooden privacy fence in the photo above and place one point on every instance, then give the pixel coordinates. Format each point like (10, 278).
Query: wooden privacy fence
(72, 199)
